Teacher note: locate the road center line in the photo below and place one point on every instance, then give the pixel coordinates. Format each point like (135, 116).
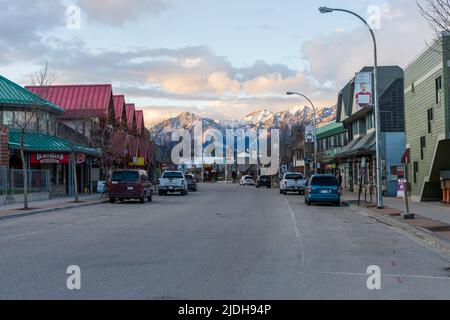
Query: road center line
(297, 231)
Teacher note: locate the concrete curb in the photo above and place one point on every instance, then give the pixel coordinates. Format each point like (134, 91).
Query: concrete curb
(21, 214)
(423, 235)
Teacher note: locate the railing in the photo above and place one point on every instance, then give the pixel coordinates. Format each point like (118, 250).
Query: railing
(12, 181)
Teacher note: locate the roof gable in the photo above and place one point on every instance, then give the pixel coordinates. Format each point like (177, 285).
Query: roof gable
(14, 95)
(139, 114)
(131, 119)
(119, 107)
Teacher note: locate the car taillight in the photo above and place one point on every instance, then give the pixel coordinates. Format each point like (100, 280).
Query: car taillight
(309, 191)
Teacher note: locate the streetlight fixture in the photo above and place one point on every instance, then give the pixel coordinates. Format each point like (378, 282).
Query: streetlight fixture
(314, 124)
(376, 105)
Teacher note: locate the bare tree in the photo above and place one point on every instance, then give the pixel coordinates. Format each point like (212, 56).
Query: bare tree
(437, 13)
(27, 117)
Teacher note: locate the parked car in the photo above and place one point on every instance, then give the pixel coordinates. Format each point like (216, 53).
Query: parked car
(247, 181)
(192, 183)
(130, 184)
(172, 182)
(293, 182)
(323, 189)
(264, 181)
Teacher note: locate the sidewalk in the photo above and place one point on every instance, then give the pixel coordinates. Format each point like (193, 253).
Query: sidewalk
(16, 210)
(431, 224)
(430, 210)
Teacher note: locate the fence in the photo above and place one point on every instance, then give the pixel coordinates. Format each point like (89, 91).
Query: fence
(12, 181)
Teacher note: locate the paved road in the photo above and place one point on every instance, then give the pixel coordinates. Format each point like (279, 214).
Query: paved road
(225, 242)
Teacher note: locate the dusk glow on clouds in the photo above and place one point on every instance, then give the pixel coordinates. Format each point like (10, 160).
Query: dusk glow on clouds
(222, 59)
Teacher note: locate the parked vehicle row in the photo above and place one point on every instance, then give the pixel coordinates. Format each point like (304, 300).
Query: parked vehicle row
(136, 185)
(320, 188)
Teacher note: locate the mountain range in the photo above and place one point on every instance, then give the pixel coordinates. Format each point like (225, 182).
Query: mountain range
(260, 119)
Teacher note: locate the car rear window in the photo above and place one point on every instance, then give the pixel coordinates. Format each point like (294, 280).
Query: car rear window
(125, 176)
(324, 181)
(173, 175)
(294, 177)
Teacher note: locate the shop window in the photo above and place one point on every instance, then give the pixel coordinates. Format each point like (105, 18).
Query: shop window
(430, 118)
(8, 118)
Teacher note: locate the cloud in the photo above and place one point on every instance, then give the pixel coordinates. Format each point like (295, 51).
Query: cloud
(117, 12)
(197, 78)
(22, 26)
(337, 56)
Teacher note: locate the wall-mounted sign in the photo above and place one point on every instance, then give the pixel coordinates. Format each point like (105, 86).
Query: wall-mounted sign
(138, 161)
(49, 158)
(81, 158)
(363, 89)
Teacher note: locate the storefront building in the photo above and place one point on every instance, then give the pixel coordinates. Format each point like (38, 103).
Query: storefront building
(357, 159)
(47, 156)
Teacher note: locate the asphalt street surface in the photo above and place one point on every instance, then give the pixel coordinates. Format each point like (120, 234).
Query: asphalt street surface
(224, 242)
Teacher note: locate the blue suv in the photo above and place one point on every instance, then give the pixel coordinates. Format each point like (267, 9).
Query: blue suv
(323, 189)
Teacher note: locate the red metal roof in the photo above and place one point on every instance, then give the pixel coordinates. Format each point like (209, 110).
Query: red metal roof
(130, 114)
(139, 114)
(119, 106)
(78, 100)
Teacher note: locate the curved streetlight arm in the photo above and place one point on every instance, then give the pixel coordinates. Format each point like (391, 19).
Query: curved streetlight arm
(302, 95)
(372, 33)
(314, 124)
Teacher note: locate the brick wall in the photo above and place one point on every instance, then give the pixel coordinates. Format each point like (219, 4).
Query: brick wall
(4, 152)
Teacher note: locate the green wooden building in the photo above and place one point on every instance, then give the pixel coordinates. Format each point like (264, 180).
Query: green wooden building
(427, 105)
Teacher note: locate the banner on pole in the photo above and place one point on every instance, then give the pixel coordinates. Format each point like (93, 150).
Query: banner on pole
(363, 89)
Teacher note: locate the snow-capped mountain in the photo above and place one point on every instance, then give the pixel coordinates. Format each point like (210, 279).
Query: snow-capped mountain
(284, 121)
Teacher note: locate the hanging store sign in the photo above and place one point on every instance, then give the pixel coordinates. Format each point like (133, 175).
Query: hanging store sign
(363, 89)
(49, 158)
(81, 158)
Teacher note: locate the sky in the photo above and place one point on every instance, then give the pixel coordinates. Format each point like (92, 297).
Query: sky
(216, 58)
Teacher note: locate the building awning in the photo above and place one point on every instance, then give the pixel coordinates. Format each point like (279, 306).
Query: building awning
(38, 142)
(359, 146)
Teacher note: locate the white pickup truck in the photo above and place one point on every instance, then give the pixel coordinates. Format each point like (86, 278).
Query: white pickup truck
(172, 181)
(293, 182)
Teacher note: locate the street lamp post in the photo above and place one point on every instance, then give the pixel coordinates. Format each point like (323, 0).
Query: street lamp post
(376, 107)
(314, 124)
